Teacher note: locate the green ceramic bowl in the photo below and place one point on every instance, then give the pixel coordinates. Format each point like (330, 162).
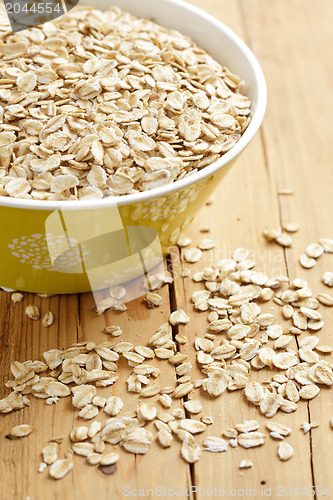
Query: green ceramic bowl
(70, 247)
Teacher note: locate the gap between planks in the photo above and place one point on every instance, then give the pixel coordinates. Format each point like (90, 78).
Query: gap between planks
(174, 264)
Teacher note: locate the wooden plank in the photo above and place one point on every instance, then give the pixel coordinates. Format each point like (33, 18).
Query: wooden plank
(295, 52)
(244, 204)
(23, 339)
(230, 232)
(154, 469)
(75, 321)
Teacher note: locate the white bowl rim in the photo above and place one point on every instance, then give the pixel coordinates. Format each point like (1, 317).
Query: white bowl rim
(195, 178)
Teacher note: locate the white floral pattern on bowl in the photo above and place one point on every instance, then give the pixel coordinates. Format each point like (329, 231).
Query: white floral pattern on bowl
(34, 251)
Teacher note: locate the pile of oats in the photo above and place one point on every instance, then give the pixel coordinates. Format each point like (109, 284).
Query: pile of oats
(100, 104)
(241, 339)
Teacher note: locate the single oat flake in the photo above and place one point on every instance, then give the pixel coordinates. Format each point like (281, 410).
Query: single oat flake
(32, 312)
(284, 240)
(215, 444)
(190, 450)
(291, 227)
(206, 244)
(20, 431)
(285, 451)
(328, 279)
(272, 232)
(60, 468)
(306, 261)
(314, 250)
(50, 453)
(179, 317)
(251, 439)
(245, 464)
(17, 297)
(327, 244)
(307, 426)
(192, 255)
(48, 319)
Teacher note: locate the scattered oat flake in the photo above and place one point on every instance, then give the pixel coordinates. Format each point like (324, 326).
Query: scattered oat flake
(192, 426)
(325, 299)
(83, 449)
(245, 464)
(309, 391)
(109, 458)
(147, 411)
(284, 240)
(230, 433)
(271, 232)
(215, 444)
(328, 278)
(60, 468)
(32, 312)
(50, 453)
(324, 349)
(20, 431)
(190, 450)
(327, 244)
(206, 244)
(179, 317)
(184, 241)
(291, 227)
(306, 261)
(165, 438)
(276, 435)
(307, 426)
(247, 426)
(114, 331)
(254, 392)
(207, 420)
(109, 303)
(284, 360)
(285, 451)
(17, 297)
(278, 428)
(240, 254)
(181, 339)
(41, 467)
(192, 255)
(149, 392)
(48, 319)
(251, 439)
(94, 458)
(314, 250)
(193, 406)
(153, 300)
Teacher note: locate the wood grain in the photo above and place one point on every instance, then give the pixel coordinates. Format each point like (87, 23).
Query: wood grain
(292, 40)
(299, 154)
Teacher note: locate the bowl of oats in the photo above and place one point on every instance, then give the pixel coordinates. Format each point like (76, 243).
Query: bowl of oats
(115, 121)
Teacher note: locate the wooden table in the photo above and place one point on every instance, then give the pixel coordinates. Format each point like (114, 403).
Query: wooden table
(292, 40)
